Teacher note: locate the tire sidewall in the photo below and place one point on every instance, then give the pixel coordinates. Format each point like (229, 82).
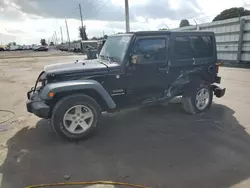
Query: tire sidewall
(198, 88)
(66, 103)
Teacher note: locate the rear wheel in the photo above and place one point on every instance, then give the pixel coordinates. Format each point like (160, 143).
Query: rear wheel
(75, 117)
(198, 99)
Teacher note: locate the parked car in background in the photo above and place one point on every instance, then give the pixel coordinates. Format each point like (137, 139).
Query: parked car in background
(27, 47)
(2, 48)
(41, 48)
(13, 47)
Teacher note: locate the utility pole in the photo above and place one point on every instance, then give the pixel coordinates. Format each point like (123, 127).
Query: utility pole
(53, 39)
(56, 38)
(197, 26)
(80, 8)
(67, 33)
(127, 16)
(61, 35)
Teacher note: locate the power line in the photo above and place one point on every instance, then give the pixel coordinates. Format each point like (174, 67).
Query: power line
(102, 6)
(92, 5)
(97, 2)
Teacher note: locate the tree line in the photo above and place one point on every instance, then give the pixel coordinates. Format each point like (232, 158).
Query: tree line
(235, 12)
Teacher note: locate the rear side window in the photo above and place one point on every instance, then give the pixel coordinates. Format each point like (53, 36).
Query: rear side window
(187, 47)
(153, 49)
(203, 46)
(183, 49)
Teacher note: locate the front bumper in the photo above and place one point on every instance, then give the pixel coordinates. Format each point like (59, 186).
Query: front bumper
(37, 106)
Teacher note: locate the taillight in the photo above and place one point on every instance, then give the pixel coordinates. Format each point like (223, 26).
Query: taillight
(217, 67)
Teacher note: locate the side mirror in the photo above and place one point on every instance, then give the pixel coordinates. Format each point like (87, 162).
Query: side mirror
(136, 59)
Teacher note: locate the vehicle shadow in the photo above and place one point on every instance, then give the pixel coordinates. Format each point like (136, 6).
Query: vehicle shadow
(156, 146)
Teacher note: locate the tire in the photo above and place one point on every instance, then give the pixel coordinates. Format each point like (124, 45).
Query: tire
(189, 101)
(67, 108)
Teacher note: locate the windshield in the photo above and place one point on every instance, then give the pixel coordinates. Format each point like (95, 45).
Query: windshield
(115, 48)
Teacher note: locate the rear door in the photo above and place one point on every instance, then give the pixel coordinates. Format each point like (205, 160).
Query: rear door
(191, 53)
(182, 57)
(205, 55)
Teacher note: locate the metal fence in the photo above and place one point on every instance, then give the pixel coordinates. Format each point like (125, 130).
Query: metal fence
(232, 38)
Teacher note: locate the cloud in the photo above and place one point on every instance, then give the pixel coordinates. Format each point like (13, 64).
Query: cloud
(9, 11)
(92, 9)
(108, 11)
(15, 31)
(172, 9)
(27, 21)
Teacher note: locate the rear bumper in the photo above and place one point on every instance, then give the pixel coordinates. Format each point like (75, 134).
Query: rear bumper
(218, 91)
(37, 106)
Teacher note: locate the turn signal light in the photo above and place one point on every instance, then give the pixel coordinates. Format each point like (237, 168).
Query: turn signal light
(217, 67)
(51, 94)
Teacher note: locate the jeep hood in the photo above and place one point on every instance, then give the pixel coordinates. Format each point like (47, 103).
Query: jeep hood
(77, 67)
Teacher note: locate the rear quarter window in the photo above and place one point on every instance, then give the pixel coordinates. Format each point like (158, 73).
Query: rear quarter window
(186, 47)
(202, 46)
(182, 48)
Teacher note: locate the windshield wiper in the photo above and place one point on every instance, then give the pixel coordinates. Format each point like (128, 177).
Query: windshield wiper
(104, 57)
(109, 58)
(113, 58)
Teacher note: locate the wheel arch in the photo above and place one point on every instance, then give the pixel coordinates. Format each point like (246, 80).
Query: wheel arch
(195, 80)
(89, 92)
(91, 88)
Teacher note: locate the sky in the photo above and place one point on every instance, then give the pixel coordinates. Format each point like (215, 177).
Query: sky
(27, 21)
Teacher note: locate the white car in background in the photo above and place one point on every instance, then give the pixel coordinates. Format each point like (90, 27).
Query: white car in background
(2, 48)
(13, 47)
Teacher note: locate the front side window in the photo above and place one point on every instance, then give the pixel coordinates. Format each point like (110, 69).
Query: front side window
(151, 49)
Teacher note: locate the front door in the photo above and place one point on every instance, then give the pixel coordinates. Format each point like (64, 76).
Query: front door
(147, 79)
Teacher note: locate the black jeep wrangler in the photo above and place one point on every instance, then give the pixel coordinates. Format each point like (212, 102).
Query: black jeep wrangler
(132, 69)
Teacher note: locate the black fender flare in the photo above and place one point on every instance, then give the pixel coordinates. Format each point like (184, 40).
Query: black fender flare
(77, 85)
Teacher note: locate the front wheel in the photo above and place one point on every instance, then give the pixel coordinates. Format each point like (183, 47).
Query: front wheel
(76, 116)
(199, 99)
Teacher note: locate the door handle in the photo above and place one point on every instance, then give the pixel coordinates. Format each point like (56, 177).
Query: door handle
(163, 69)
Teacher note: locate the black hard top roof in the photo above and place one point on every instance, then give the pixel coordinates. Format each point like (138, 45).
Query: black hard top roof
(166, 32)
